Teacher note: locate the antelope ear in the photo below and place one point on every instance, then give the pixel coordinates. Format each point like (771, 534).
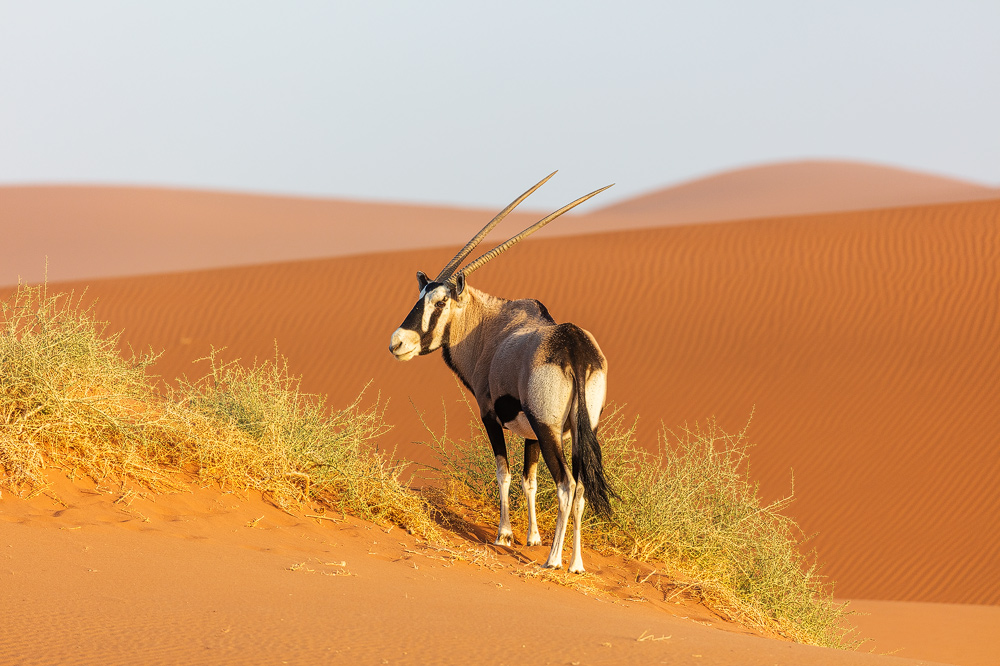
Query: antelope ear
(422, 280)
(459, 286)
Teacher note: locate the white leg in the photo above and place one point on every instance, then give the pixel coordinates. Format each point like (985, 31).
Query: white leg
(530, 486)
(564, 492)
(505, 536)
(576, 565)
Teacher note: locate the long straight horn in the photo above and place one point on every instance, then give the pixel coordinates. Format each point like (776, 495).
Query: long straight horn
(471, 245)
(527, 232)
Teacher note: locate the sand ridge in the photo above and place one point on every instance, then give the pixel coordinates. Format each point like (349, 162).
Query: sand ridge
(865, 343)
(798, 188)
(91, 232)
(211, 578)
(87, 232)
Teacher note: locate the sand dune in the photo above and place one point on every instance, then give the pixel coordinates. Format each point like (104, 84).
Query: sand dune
(866, 342)
(798, 188)
(940, 632)
(89, 232)
(93, 232)
(211, 578)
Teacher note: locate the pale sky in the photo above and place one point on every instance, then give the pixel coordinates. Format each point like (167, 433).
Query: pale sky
(469, 102)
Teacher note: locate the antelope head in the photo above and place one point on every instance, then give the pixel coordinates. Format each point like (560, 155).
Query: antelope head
(440, 299)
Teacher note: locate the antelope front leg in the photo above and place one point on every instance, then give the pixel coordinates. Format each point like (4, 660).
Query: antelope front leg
(505, 535)
(529, 483)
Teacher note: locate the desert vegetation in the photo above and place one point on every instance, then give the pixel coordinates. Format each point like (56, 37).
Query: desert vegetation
(71, 398)
(690, 507)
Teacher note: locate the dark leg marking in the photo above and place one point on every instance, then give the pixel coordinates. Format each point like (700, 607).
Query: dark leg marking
(551, 448)
(550, 442)
(531, 453)
(495, 432)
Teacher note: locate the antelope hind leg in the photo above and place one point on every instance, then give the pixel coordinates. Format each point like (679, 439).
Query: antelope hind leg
(564, 492)
(550, 441)
(576, 564)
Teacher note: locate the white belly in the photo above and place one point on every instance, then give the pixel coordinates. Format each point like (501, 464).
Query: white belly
(520, 426)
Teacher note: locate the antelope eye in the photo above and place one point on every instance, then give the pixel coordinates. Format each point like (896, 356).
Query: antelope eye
(440, 304)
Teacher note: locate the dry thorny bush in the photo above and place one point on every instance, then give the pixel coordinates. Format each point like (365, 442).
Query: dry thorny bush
(69, 398)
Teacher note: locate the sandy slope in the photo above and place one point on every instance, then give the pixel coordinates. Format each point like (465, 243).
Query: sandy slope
(797, 188)
(939, 632)
(866, 341)
(87, 232)
(208, 578)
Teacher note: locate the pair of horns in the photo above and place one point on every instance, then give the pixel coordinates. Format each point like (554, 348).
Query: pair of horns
(448, 272)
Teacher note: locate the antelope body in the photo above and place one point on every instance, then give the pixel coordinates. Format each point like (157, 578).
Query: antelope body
(541, 380)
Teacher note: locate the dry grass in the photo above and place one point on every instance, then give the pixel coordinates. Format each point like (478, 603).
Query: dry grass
(69, 398)
(295, 448)
(689, 506)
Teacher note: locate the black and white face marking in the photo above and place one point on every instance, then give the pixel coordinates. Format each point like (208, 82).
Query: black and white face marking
(424, 328)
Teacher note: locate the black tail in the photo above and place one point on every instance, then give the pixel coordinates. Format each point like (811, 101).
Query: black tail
(587, 462)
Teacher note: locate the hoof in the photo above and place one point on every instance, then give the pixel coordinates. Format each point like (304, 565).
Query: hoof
(577, 570)
(534, 541)
(504, 540)
(549, 565)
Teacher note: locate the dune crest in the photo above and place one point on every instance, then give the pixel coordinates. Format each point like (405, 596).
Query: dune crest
(88, 232)
(797, 188)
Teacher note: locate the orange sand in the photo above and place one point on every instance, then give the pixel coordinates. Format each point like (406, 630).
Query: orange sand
(210, 578)
(865, 340)
(948, 633)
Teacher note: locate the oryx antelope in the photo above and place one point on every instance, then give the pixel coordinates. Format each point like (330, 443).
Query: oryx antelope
(538, 379)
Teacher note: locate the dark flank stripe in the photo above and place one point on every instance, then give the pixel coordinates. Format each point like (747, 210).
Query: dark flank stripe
(507, 407)
(446, 353)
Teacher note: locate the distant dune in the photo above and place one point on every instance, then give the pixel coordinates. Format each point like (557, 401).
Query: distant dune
(798, 188)
(865, 342)
(92, 232)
